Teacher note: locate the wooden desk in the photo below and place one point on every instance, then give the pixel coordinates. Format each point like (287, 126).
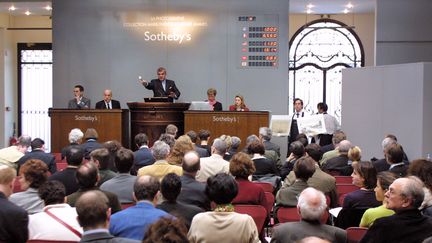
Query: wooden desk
(110, 125)
(152, 118)
(240, 124)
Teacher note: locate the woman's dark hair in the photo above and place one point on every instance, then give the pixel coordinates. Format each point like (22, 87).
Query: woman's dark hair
(35, 172)
(256, 147)
(221, 188)
(52, 192)
(423, 170)
(166, 230)
(368, 172)
(386, 178)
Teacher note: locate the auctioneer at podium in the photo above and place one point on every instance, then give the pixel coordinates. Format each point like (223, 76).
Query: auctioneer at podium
(161, 86)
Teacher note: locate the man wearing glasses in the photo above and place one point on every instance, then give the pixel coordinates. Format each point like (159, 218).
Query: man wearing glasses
(79, 102)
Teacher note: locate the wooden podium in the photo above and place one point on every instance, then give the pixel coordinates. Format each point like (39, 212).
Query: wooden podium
(151, 118)
(110, 125)
(240, 124)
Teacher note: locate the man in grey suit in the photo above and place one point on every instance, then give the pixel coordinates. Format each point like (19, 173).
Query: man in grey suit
(93, 215)
(122, 184)
(311, 206)
(79, 101)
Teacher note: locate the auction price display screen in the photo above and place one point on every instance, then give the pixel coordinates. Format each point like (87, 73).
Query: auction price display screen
(258, 43)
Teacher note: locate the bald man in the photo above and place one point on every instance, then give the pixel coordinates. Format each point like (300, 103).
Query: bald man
(192, 191)
(108, 103)
(311, 206)
(13, 219)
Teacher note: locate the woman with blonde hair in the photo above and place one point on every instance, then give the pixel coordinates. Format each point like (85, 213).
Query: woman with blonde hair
(182, 145)
(354, 154)
(239, 104)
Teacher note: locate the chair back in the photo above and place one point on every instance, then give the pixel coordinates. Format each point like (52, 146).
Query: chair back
(267, 187)
(355, 234)
(257, 212)
(61, 166)
(270, 198)
(127, 205)
(343, 189)
(343, 179)
(287, 214)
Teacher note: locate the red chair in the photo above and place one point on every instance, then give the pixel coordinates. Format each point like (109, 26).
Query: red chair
(57, 157)
(17, 185)
(127, 205)
(257, 212)
(343, 189)
(61, 166)
(343, 179)
(267, 187)
(50, 241)
(355, 234)
(290, 214)
(270, 198)
(287, 215)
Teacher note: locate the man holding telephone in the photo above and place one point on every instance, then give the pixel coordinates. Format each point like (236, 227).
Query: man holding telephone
(161, 86)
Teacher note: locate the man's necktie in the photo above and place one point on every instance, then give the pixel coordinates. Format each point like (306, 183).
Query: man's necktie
(298, 114)
(108, 106)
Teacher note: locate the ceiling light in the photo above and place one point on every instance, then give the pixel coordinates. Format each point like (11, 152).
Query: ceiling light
(12, 8)
(308, 11)
(349, 5)
(310, 5)
(48, 7)
(27, 13)
(345, 11)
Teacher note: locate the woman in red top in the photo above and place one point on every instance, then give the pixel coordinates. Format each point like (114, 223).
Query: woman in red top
(239, 104)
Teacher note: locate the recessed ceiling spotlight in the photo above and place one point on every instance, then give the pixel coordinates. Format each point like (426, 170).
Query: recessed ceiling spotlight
(345, 11)
(27, 13)
(12, 8)
(349, 5)
(308, 11)
(48, 7)
(310, 5)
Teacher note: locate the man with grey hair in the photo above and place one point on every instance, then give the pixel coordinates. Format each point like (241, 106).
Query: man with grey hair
(340, 162)
(404, 196)
(381, 164)
(311, 206)
(161, 167)
(265, 135)
(172, 130)
(75, 138)
(235, 144)
(331, 150)
(215, 163)
(10, 155)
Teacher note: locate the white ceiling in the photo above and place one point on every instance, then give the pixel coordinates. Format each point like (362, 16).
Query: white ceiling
(332, 6)
(296, 6)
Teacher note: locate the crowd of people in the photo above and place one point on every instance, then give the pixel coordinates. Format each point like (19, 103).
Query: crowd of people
(185, 188)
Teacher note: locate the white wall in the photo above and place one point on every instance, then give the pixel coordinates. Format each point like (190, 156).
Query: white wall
(8, 63)
(388, 99)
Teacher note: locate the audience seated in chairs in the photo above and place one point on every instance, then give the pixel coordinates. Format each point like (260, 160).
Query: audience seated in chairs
(356, 202)
(297, 151)
(113, 146)
(38, 152)
(339, 165)
(91, 143)
(94, 216)
(404, 196)
(384, 180)
(264, 167)
(311, 206)
(58, 221)
(304, 168)
(201, 151)
(215, 163)
(75, 138)
(143, 156)
(223, 224)
(170, 189)
(101, 157)
(33, 174)
(182, 145)
(319, 180)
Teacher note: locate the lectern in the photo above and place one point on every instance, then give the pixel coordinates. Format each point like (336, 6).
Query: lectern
(151, 118)
(110, 125)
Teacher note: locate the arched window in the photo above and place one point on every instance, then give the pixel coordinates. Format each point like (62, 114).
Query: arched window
(318, 53)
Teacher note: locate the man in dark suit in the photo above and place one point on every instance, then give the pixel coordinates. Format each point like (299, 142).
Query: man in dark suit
(265, 134)
(74, 158)
(13, 219)
(143, 156)
(201, 151)
(404, 196)
(161, 86)
(93, 215)
(91, 136)
(38, 152)
(394, 156)
(107, 102)
(192, 191)
(311, 206)
(340, 163)
(79, 101)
